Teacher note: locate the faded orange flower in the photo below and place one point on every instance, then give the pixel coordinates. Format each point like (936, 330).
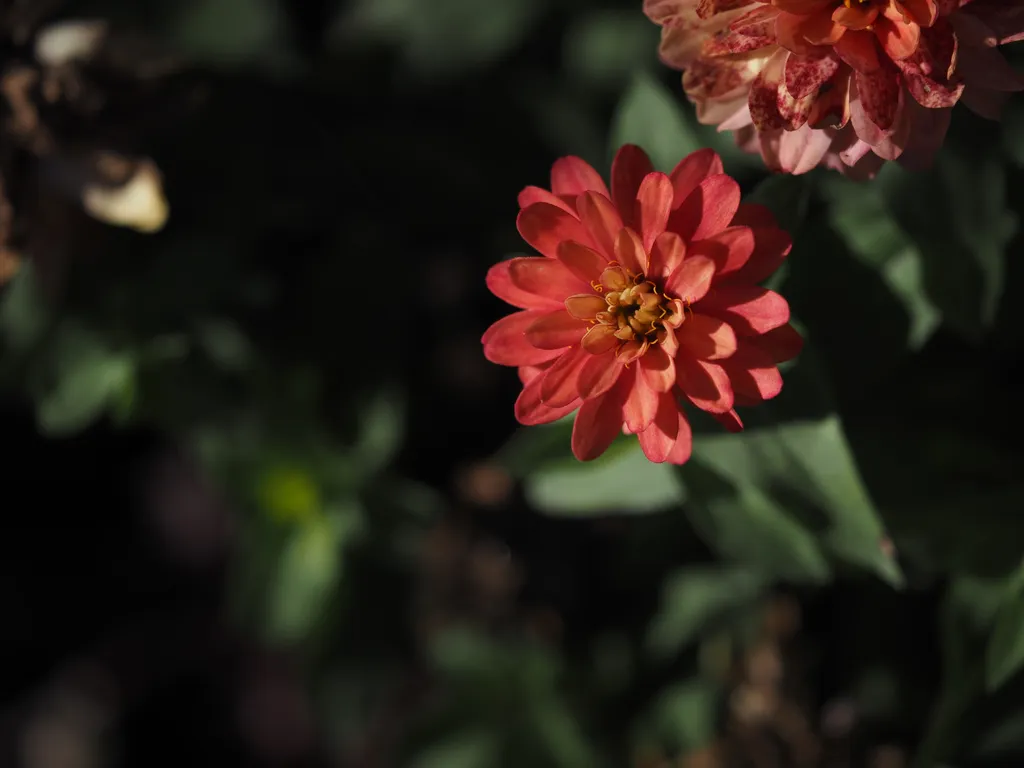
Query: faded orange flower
(845, 83)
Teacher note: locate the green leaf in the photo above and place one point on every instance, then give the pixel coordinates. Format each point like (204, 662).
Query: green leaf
(603, 47)
(89, 378)
(622, 482)
(1005, 653)
(694, 598)
(743, 524)
(652, 118)
(233, 33)
(24, 314)
(381, 429)
(470, 749)
(686, 715)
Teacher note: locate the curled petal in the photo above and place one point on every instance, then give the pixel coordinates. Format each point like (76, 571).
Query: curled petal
(557, 330)
(630, 166)
(505, 341)
(544, 226)
(574, 176)
(764, 94)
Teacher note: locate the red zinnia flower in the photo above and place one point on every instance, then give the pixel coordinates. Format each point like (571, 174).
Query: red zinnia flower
(847, 83)
(645, 298)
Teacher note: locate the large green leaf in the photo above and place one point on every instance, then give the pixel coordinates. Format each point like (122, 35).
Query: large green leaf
(694, 598)
(469, 749)
(651, 117)
(623, 481)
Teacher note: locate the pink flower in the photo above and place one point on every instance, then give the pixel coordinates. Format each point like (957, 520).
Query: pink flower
(845, 83)
(646, 298)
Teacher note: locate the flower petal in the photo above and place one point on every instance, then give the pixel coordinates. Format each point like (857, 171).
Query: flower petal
(544, 226)
(708, 209)
(771, 247)
(599, 422)
(600, 339)
(499, 281)
(602, 221)
(705, 384)
(585, 306)
(505, 341)
(753, 373)
(667, 254)
(558, 385)
(641, 405)
(531, 195)
(692, 280)
(691, 171)
(683, 446)
(556, 331)
(653, 205)
(529, 409)
(629, 252)
(730, 420)
(806, 74)
(859, 50)
(630, 166)
(898, 40)
(545, 277)
(574, 176)
(706, 338)
(878, 92)
(658, 369)
(782, 343)
(583, 262)
(598, 375)
(749, 309)
(729, 249)
(658, 439)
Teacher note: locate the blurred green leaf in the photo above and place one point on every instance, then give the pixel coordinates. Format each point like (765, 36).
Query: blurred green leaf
(692, 599)
(604, 48)
(225, 344)
(875, 238)
(560, 736)
(652, 118)
(24, 314)
(233, 33)
(786, 196)
(1013, 131)
(1005, 654)
(686, 715)
(381, 429)
(308, 571)
(471, 749)
(621, 482)
(87, 378)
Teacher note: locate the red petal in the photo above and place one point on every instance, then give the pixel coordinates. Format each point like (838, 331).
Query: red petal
(729, 249)
(753, 373)
(641, 405)
(801, 7)
(691, 171)
(754, 215)
(601, 219)
(598, 375)
(879, 93)
(556, 331)
(730, 420)
(771, 246)
(558, 386)
(573, 176)
(666, 255)
(532, 195)
(706, 338)
(705, 384)
(924, 12)
(599, 422)
(683, 446)
(499, 281)
(657, 440)
(600, 339)
(927, 71)
(505, 341)
(859, 50)
(692, 280)
(545, 277)
(749, 309)
(898, 40)
(708, 209)
(585, 306)
(764, 94)
(629, 252)
(750, 32)
(658, 369)
(585, 263)
(653, 204)
(530, 410)
(629, 168)
(855, 18)
(544, 226)
(806, 74)
(782, 343)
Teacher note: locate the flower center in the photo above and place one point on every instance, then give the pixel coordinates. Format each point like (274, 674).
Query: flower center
(629, 312)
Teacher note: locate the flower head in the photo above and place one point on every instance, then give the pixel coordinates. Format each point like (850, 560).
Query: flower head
(645, 297)
(845, 83)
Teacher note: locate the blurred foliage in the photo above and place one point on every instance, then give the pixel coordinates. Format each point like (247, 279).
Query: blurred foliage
(840, 582)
